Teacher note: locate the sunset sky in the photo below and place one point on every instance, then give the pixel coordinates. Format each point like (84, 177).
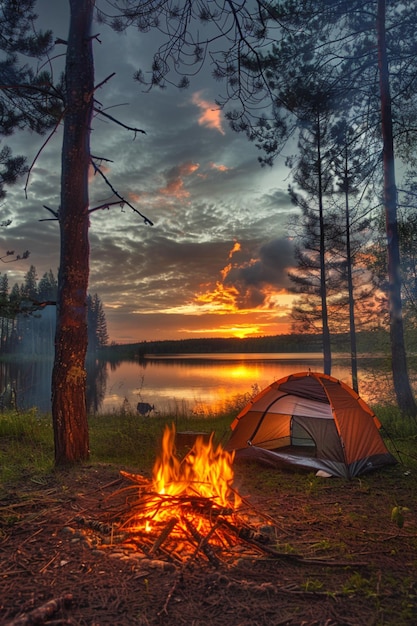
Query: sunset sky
(215, 261)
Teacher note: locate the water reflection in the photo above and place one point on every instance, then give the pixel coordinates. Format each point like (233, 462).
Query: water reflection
(181, 385)
(27, 384)
(200, 384)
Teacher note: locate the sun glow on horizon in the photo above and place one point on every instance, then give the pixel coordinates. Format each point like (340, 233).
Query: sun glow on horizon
(228, 306)
(245, 331)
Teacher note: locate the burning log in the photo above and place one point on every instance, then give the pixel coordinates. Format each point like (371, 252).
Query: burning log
(202, 543)
(164, 534)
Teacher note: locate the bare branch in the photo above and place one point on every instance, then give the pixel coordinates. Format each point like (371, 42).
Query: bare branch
(104, 81)
(54, 213)
(97, 158)
(116, 193)
(96, 37)
(113, 119)
(45, 143)
(43, 304)
(15, 257)
(107, 205)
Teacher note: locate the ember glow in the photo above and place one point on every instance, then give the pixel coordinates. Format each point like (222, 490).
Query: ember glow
(182, 489)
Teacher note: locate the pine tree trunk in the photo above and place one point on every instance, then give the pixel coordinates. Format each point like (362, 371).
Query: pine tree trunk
(69, 411)
(327, 352)
(401, 380)
(349, 263)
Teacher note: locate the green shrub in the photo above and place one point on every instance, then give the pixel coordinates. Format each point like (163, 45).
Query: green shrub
(394, 423)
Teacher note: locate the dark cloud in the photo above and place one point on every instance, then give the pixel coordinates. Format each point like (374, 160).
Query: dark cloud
(266, 272)
(270, 268)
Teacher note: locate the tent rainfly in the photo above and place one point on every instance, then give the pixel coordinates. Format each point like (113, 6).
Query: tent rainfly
(311, 421)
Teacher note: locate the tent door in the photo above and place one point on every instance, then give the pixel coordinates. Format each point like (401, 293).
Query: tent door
(299, 435)
(319, 432)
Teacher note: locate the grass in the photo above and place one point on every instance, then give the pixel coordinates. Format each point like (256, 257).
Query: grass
(26, 444)
(125, 439)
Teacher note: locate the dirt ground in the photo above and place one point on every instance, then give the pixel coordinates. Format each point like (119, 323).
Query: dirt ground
(341, 560)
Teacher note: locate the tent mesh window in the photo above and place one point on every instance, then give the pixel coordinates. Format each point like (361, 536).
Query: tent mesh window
(300, 437)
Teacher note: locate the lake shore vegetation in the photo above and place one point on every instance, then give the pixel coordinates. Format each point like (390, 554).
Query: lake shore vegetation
(124, 438)
(369, 342)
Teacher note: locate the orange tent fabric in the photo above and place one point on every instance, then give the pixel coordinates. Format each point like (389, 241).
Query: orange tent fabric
(312, 421)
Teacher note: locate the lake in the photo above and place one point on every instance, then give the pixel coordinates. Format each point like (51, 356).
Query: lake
(182, 384)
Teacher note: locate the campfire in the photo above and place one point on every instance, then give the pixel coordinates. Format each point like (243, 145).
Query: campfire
(190, 491)
(189, 511)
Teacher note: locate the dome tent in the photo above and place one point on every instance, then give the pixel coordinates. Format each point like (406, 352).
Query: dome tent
(311, 421)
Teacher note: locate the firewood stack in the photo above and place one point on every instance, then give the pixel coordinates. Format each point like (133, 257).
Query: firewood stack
(182, 529)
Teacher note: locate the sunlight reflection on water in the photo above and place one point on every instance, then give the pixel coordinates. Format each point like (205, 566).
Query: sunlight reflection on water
(203, 384)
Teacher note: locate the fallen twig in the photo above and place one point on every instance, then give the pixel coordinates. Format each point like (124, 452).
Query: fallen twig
(168, 598)
(41, 614)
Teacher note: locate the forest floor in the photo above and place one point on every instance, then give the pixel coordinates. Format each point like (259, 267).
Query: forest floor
(338, 556)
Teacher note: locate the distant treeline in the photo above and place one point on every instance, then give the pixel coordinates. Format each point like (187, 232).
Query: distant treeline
(28, 316)
(368, 342)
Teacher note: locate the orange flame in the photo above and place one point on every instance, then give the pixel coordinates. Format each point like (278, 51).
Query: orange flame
(206, 472)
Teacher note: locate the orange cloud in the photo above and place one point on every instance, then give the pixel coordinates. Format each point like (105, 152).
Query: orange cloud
(221, 299)
(186, 169)
(236, 248)
(224, 272)
(211, 115)
(175, 188)
(175, 183)
(233, 294)
(220, 168)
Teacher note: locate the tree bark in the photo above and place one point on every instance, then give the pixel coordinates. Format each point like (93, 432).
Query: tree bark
(349, 263)
(401, 379)
(69, 411)
(327, 352)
